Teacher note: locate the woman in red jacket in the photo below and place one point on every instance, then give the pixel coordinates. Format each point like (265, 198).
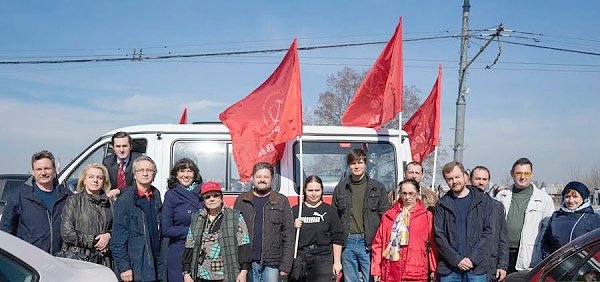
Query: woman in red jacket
(404, 246)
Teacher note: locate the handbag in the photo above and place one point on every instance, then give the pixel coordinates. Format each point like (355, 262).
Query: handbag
(73, 252)
(298, 266)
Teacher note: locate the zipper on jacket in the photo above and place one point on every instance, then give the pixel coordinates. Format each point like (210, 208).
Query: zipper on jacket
(262, 239)
(51, 237)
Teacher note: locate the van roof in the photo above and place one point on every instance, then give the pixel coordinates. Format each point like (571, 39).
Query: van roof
(217, 127)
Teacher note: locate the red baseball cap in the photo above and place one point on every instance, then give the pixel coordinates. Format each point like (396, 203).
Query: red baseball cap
(210, 186)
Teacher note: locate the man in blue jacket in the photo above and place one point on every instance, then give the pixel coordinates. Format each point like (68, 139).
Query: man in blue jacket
(33, 212)
(135, 243)
(463, 229)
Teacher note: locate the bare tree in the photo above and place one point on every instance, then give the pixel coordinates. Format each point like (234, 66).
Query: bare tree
(341, 88)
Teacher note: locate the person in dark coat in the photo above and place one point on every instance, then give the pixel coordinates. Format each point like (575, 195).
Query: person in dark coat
(574, 218)
(181, 201)
(480, 178)
(33, 212)
(136, 238)
(463, 228)
(119, 164)
(87, 218)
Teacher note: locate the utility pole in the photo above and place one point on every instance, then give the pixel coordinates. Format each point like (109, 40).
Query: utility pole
(461, 102)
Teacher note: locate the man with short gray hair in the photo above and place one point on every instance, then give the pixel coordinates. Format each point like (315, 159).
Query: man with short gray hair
(33, 212)
(135, 244)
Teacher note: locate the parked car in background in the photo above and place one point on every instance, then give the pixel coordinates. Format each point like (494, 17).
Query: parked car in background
(578, 260)
(8, 184)
(23, 262)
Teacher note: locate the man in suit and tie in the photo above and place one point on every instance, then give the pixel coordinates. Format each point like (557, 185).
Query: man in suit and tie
(120, 163)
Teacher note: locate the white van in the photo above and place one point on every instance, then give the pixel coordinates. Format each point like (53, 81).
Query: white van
(209, 145)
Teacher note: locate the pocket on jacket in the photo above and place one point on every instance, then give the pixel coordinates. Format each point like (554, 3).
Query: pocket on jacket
(276, 216)
(341, 204)
(373, 202)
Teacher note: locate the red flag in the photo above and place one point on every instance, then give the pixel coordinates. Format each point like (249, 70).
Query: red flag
(423, 127)
(183, 118)
(379, 97)
(263, 121)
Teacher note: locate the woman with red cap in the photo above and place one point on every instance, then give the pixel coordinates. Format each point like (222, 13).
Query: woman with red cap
(217, 247)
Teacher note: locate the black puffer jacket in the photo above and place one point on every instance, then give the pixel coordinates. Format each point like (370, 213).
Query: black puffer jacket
(278, 228)
(84, 217)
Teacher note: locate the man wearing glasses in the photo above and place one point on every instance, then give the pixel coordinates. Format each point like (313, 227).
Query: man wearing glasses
(527, 211)
(135, 243)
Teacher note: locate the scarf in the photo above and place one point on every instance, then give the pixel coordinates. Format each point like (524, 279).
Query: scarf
(191, 187)
(399, 236)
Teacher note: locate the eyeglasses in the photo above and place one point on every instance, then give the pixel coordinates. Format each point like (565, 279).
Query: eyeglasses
(523, 173)
(147, 170)
(214, 195)
(408, 194)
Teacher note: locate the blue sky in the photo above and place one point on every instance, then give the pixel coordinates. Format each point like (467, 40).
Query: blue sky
(534, 102)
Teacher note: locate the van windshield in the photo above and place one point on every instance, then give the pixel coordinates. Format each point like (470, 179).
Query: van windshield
(328, 161)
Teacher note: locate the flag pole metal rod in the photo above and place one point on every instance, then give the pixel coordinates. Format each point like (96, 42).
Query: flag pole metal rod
(434, 169)
(301, 199)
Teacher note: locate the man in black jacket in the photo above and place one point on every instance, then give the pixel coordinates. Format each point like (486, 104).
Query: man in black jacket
(33, 213)
(480, 178)
(270, 223)
(463, 229)
(119, 164)
(360, 202)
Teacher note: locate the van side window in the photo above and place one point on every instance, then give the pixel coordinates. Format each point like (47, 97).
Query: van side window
(328, 161)
(215, 162)
(97, 156)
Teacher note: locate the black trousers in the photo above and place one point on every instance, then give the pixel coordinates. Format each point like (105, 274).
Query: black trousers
(512, 260)
(319, 268)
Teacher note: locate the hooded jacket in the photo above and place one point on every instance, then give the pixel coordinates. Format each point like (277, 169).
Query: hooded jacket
(26, 217)
(415, 259)
(566, 225)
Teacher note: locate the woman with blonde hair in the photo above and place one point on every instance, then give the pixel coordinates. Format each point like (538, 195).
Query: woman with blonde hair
(87, 218)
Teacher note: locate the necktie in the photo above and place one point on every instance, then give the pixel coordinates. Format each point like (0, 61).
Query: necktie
(121, 183)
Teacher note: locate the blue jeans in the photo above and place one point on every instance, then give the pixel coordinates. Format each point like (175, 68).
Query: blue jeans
(463, 277)
(263, 273)
(356, 257)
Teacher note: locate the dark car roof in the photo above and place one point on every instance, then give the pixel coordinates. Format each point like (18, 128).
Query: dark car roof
(19, 176)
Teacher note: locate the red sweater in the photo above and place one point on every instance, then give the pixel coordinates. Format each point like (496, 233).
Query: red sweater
(413, 258)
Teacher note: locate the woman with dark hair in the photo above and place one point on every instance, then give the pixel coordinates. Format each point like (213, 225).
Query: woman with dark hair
(181, 201)
(87, 218)
(574, 218)
(321, 238)
(404, 247)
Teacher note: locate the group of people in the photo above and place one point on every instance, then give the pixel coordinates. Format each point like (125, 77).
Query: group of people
(118, 219)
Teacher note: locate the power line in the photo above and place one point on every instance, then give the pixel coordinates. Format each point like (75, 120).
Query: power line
(140, 56)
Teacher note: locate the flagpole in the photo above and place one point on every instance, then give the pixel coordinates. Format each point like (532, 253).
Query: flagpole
(301, 199)
(434, 169)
